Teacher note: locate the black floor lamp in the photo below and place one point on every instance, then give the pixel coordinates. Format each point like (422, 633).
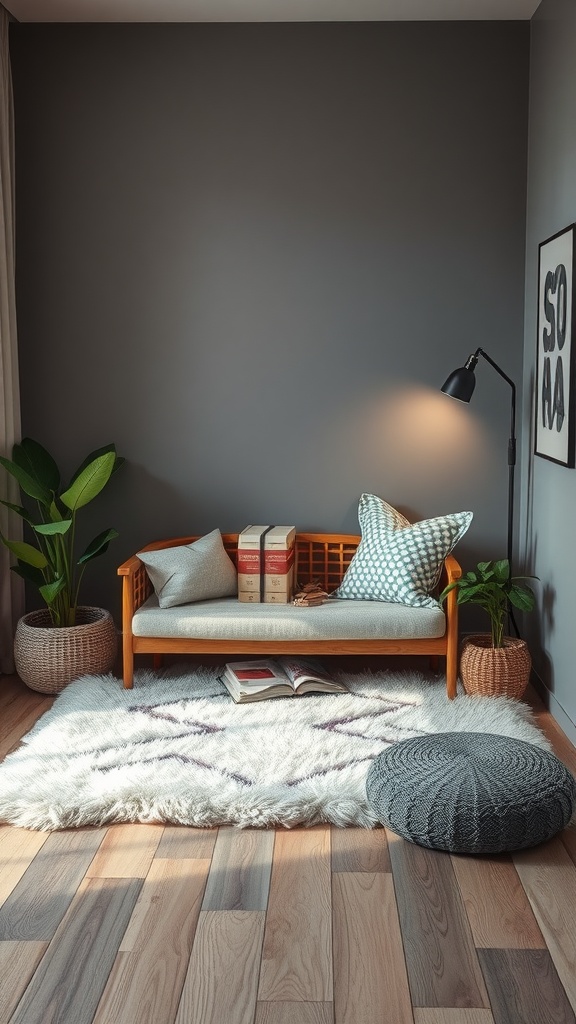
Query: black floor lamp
(460, 385)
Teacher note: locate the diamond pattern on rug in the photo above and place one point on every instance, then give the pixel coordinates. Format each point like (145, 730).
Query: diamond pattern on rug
(177, 749)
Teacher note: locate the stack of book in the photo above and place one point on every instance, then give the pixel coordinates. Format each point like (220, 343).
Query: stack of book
(266, 564)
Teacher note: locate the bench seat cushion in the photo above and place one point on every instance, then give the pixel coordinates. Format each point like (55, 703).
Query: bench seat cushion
(230, 619)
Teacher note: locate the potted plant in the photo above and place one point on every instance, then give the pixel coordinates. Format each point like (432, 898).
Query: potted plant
(63, 640)
(491, 663)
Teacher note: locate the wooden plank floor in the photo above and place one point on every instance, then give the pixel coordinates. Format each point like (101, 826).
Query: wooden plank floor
(146, 924)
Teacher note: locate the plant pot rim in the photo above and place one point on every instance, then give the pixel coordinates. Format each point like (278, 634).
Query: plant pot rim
(484, 640)
(39, 619)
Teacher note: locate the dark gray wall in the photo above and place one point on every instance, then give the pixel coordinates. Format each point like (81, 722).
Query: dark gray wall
(549, 491)
(251, 254)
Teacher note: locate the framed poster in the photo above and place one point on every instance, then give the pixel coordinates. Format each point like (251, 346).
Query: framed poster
(556, 349)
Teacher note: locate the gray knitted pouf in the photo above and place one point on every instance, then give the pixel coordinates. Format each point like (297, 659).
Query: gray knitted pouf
(471, 792)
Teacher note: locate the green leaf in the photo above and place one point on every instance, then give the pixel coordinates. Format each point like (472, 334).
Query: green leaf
(37, 462)
(29, 573)
(522, 598)
(447, 590)
(26, 553)
(493, 587)
(49, 529)
(50, 591)
(487, 575)
(502, 570)
(54, 512)
(22, 512)
(89, 482)
(96, 455)
(484, 566)
(26, 482)
(469, 593)
(98, 546)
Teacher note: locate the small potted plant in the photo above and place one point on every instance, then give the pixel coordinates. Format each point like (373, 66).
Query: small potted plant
(63, 640)
(492, 664)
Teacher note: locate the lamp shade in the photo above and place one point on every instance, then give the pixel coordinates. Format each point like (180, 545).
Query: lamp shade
(460, 384)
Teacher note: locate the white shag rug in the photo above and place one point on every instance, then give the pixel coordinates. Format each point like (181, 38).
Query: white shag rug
(177, 749)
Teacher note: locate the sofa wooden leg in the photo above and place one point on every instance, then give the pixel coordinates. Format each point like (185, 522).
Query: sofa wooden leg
(157, 660)
(433, 662)
(451, 673)
(128, 668)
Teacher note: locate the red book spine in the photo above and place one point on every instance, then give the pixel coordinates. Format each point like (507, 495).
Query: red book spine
(278, 563)
(248, 561)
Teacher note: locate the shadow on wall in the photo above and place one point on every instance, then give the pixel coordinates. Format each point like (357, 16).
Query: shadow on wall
(541, 623)
(529, 535)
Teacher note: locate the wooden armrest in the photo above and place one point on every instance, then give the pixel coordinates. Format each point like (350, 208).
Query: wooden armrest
(136, 587)
(129, 567)
(452, 569)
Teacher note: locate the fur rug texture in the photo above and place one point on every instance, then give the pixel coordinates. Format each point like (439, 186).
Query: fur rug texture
(177, 749)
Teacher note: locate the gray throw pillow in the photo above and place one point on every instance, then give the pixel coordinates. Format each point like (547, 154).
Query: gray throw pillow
(397, 561)
(191, 572)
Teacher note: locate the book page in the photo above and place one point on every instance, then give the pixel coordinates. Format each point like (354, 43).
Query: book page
(257, 680)
(300, 670)
(241, 692)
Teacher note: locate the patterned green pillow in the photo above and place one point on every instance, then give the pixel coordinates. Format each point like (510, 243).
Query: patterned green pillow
(397, 561)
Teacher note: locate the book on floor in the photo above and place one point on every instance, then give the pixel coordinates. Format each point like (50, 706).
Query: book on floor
(277, 677)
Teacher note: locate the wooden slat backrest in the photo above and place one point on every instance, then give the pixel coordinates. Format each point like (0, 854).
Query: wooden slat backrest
(142, 585)
(322, 557)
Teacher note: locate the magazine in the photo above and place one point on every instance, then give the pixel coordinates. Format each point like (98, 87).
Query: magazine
(278, 677)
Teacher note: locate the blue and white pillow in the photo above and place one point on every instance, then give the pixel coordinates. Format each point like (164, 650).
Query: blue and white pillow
(398, 561)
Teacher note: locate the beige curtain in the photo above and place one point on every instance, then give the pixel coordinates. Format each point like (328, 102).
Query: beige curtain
(11, 589)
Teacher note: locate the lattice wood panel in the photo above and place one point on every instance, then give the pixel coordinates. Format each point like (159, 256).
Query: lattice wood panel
(320, 557)
(142, 587)
(324, 561)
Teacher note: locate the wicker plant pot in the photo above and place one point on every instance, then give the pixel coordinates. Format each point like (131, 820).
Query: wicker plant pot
(488, 671)
(47, 657)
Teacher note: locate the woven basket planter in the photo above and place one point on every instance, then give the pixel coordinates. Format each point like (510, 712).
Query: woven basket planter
(488, 671)
(49, 657)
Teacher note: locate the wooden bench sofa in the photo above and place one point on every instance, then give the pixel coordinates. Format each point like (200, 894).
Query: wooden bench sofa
(269, 629)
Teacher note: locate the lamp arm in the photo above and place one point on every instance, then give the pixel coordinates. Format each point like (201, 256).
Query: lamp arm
(511, 458)
(466, 376)
(499, 370)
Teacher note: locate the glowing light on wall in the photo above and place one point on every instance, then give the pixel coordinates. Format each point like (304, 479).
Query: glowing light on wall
(420, 432)
(410, 445)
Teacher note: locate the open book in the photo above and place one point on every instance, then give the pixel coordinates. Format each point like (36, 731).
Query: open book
(278, 677)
